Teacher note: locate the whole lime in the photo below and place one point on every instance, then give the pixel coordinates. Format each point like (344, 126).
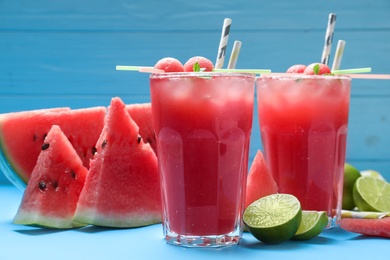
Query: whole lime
(351, 174)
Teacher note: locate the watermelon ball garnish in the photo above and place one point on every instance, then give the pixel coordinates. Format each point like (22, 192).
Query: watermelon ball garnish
(198, 63)
(169, 64)
(298, 68)
(317, 69)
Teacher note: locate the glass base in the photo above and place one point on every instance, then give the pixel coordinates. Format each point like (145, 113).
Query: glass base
(230, 239)
(333, 222)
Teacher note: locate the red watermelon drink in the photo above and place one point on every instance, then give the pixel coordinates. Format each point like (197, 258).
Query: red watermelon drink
(203, 123)
(303, 124)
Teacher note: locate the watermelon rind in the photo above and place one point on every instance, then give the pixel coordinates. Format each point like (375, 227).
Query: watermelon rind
(91, 216)
(35, 219)
(7, 169)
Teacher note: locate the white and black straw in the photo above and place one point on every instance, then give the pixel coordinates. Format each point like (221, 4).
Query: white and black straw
(328, 39)
(223, 43)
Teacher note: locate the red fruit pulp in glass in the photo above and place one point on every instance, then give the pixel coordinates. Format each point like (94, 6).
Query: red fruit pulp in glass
(303, 124)
(203, 126)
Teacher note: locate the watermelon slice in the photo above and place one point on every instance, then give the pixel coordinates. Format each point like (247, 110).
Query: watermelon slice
(52, 193)
(260, 182)
(142, 115)
(22, 135)
(122, 188)
(368, 227)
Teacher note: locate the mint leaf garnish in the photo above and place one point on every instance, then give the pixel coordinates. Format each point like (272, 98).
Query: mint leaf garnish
(316, 69)
(196, 67)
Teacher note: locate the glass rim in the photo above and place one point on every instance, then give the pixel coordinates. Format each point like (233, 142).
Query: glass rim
(201, 74)
(295, 76)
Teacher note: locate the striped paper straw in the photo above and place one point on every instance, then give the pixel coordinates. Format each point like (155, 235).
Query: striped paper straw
(338, 55)
(328, 39)
(363, 214)
(234, 55)
(223, 43)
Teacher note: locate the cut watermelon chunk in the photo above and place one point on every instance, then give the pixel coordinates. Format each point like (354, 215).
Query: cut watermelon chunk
(52, 193)
(122, 188)
(260, 182)
(22, 135)
(142, 115)
(368, 227)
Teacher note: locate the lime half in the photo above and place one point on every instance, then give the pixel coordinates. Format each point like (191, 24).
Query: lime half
(274, 218)
(372, 194)
(312, 224)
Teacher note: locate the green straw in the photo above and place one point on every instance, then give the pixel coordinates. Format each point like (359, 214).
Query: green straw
(134, 68)
(352, 71)
(139, 68)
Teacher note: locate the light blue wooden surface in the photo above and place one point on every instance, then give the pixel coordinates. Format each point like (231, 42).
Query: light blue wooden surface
(98, 243)
(64, 53)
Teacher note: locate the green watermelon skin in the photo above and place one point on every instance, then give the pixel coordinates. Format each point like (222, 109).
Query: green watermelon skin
(260, 182)
(368, 227)
(122, 188)
(142, 115)
(22, 135)
(51, 196)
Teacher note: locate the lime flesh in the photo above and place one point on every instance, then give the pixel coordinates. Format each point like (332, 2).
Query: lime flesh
(273, 219)
(312, 224)
(372, 194)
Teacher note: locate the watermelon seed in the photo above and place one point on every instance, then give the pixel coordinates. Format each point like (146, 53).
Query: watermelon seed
(34, 138)
(94, 150)
(139, 139)
(104, 143)
(42, 185)
(45, 146)
(73, 175)
(149, 140)
(55, 185)
(44, 136)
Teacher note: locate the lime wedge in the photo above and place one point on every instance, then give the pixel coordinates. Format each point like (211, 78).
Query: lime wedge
(372, 194)
(312, 224)
(274, 218)
(351, 174)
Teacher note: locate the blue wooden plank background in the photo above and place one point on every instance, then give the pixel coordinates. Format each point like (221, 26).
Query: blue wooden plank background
(64, 53)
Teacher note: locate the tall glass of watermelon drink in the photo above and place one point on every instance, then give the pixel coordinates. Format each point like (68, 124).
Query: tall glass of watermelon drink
(303, 124)
(203, 122)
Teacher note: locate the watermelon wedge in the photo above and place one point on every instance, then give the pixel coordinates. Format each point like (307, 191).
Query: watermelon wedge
(122, 188)
(22, 135)
(260, 182)
(142, 115)
(56, 182)
(368, 227)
